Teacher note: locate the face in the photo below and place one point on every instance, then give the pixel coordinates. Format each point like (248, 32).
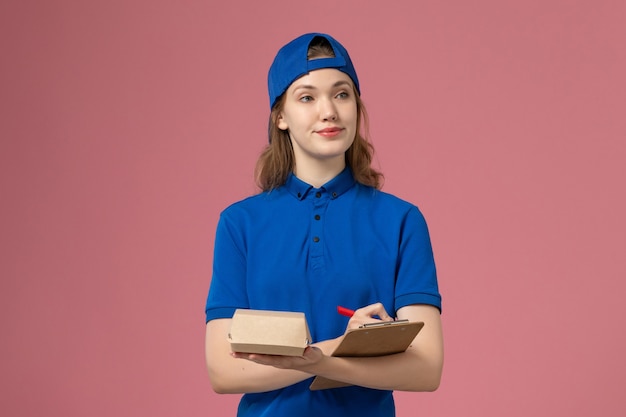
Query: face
(320, 114)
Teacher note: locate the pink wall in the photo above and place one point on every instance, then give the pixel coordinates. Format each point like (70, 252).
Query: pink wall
(128, 125)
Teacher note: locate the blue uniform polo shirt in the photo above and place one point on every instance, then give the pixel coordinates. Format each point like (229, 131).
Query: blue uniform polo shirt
(306, 249)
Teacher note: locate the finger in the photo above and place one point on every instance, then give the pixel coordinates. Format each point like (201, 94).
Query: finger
(376, 309)
(311, 353)
(384, 316)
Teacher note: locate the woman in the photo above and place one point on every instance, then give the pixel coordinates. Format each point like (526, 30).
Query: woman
(319, 235)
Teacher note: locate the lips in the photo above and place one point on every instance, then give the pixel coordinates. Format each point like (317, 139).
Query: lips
(329, 131)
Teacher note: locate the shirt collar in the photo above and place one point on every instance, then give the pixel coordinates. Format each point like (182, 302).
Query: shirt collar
(335, 187)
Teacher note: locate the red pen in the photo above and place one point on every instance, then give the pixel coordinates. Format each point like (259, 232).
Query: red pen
(345, 311)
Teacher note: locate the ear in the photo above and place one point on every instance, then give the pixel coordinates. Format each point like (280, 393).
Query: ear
(281, 123)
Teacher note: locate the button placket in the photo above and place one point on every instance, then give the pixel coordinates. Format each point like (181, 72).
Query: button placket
(319, 203)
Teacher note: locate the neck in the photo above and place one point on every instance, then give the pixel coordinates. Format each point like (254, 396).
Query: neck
(319, 173)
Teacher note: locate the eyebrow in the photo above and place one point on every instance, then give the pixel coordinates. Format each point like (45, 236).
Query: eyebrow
(311, 87)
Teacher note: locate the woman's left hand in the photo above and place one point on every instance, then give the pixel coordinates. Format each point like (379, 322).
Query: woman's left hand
(369, 314)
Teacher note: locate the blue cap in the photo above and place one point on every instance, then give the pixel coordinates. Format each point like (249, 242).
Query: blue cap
(291, 63)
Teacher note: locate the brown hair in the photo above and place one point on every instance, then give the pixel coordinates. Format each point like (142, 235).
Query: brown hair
(277, 160)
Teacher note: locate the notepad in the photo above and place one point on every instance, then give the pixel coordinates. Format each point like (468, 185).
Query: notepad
(380, 339)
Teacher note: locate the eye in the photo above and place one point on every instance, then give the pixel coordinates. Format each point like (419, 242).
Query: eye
(305, 99)
(342, 95)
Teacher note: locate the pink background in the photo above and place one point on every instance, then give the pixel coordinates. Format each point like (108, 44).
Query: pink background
(128, 125)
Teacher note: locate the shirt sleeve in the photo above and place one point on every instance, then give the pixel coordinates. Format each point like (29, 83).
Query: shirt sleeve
(227, 291)
(416, 277)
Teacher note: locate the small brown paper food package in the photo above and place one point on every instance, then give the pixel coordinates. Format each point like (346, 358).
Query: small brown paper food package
(269, 332)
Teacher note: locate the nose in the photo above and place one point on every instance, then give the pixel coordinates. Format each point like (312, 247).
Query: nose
(328, 111)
